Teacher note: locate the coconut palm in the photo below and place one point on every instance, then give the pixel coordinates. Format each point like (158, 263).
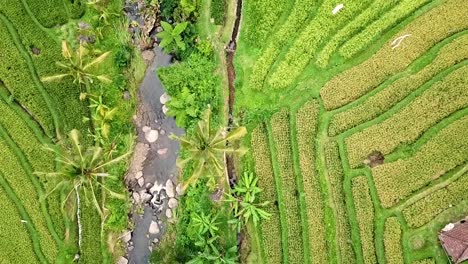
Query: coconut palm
(78, 68)
(206, 148)
(80, 168)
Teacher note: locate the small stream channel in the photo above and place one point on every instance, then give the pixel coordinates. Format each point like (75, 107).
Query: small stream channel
(231, 71)
(152, 177)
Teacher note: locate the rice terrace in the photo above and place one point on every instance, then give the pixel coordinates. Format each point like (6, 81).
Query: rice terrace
(233, 131)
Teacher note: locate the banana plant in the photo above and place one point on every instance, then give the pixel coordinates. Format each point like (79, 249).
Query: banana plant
(171, 38)
(243, 201)
(206, 224)
(206, 148)
(79, 67)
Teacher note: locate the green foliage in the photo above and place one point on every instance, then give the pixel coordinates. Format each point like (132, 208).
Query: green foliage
(183, 108)
(77, 67)
(218, 9)
(171, 39)
(206, 147)
(81, 166)
(197, 75)
(243, 201)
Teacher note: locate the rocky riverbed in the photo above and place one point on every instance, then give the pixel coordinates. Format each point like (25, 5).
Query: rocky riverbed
(152, 177)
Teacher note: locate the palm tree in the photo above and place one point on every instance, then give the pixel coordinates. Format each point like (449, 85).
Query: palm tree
(77, 68)
(171, 36)
(206, 148)
(80, 167)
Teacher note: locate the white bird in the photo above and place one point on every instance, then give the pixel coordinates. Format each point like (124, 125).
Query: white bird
(337, 9)
(23, 221)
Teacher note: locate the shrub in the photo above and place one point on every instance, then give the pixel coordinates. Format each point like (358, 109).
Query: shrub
(377, 104)
(359, 80)
(410, 122)
(218, 9)
(196, 76)
(444, 151)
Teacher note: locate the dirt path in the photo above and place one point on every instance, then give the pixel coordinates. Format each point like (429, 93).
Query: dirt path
(152, 175)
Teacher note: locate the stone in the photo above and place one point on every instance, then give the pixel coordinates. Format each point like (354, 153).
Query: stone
(156, 201)
(126, 96)
(170, 189)
(162, 151)
(138, 175)
(146, 129)
(156, 188)
(164, 98)
(127, 237)
(136, 197)
(179, 190)
(155, 241)
(162, 132)
(152, 136)
(36, 50)
(154, 228)
(172, 203)
(165, 109)
(122, 260)
(148, 55)
(83, 25)
(130, 248)
(159, 29)
(168, 213)
(141, 182)
(148, 185)
(145, 197)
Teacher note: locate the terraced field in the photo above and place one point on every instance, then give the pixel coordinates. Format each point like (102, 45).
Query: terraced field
(358, 127)
(34, 229)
